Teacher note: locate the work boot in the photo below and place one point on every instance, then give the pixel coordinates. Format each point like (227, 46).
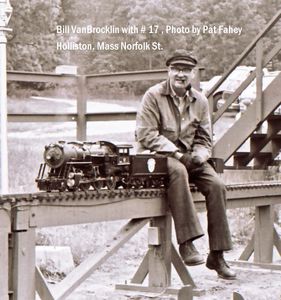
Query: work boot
(189, 254)
(215, 261)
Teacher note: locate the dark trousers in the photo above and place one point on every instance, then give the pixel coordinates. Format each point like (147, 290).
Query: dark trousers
(185, 217)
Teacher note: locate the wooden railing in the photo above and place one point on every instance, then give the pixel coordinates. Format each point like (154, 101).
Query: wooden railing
(261, 61)
(81, 83)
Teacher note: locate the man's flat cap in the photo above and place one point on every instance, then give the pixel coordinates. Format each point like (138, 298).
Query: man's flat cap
(181, 56)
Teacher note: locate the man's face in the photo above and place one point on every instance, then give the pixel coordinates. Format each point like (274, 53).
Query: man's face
(180, 76)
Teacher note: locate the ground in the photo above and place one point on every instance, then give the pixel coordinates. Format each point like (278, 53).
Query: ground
(254, 283)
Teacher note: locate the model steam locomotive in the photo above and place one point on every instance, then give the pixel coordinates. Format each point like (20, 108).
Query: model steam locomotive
(98, 165)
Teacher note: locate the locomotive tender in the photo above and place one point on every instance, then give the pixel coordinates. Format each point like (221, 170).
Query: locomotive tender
(97, 165)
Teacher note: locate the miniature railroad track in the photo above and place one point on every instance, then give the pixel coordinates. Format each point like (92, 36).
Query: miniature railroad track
(91, 195)
(124, 194)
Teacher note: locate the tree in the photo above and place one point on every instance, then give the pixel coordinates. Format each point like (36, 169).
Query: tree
(32, 47)
(218, 50)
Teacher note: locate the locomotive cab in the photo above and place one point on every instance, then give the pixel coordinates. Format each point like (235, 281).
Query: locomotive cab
(123, 155)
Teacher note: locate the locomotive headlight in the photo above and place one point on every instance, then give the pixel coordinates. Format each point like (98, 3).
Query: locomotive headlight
(54, 156)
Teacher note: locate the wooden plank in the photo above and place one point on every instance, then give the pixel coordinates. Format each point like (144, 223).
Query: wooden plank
(42, 286)
(40, 77)
(259, 77)
(277, 241)
(142, 271)
(159, 260)
(86, 268)
(147, 289)
(42, 117)
(254, 266)
(245, 53)
(85, 211)
(111, 116)
(81, 129)
(24, 265)
(158, 275)
(248, 251)
(127, 76)
(21, 217)
(246, 125)
(181, 268)
(158, 290)
(79, 212)
(268, 57)
(185, 293)
(263, 246)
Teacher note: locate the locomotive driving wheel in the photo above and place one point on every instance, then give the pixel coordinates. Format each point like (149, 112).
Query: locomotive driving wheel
(97, 185)
(84, 186)
(111, 182)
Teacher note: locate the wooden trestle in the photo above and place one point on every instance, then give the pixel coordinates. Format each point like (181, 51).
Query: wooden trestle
(20, 215)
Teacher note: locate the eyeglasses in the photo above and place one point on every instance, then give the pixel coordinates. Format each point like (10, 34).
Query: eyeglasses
(177, 70)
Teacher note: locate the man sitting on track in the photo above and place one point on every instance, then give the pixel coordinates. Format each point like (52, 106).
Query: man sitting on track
(174, 119)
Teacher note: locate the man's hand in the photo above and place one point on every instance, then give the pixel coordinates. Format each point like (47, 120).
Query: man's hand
(197, 160)
(193, 164)
(186, 159)
(196, 165)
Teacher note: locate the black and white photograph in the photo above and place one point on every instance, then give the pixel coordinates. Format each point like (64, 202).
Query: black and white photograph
(140, 150)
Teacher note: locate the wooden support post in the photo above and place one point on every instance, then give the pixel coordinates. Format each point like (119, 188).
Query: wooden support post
(24, 265)
(159, 260)
(41, 286)
(5, 228)
(262, 242)
(142, 271)
(277, 241)
(81, 130)
(263, 247)
(248, 251)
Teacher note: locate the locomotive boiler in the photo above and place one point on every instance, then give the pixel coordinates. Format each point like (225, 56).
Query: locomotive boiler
(99, 165)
